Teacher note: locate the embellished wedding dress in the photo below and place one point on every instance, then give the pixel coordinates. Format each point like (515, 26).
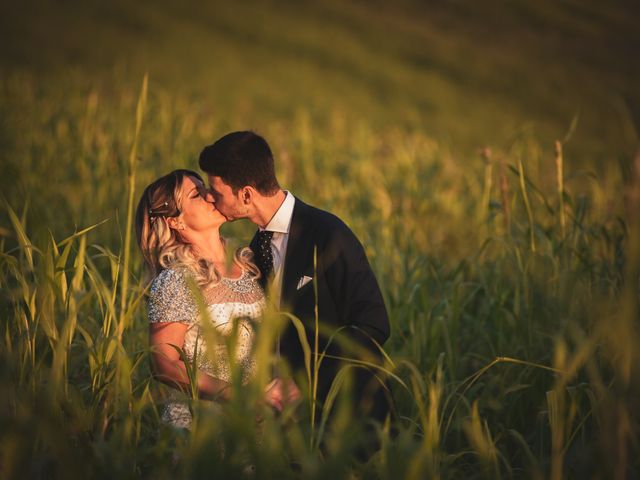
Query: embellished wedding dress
(237, 301)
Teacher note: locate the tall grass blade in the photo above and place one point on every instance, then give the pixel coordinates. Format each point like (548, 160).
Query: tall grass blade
(525, 198)
(133, 157)
(560, 187)
(21, 235)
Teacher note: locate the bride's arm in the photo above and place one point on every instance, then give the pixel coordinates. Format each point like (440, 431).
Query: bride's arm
(169, 368)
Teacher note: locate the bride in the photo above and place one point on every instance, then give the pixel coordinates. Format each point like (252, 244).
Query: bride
(178, 230)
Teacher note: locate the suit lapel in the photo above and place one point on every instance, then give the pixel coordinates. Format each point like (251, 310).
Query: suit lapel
(297, 252)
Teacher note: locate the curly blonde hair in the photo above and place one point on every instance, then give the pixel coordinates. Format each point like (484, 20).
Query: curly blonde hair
(162, 246)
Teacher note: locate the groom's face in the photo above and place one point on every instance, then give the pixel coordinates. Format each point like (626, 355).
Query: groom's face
(228, 203)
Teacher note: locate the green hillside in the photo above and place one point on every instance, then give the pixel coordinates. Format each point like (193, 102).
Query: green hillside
(468, 74)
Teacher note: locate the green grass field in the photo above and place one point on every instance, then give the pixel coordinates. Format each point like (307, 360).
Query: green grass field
(486, 154)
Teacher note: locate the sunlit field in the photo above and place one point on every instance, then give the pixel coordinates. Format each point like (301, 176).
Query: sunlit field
(487, 158)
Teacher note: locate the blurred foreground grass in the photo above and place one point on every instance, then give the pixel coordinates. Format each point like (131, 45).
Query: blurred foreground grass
(512, 289)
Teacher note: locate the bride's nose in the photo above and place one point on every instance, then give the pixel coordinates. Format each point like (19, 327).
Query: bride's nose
(209, 197)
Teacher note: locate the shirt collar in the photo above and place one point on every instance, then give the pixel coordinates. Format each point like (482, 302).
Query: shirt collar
(281, 221)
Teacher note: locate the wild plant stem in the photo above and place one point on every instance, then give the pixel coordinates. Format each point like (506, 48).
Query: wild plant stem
(133, 155)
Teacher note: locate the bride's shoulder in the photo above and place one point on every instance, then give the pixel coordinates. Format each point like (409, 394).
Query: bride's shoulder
(170, 299)
(169, 279)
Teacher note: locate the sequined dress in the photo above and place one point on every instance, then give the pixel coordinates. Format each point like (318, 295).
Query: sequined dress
(237, 301)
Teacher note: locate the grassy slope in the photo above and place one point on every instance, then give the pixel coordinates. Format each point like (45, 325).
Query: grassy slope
(467, 74)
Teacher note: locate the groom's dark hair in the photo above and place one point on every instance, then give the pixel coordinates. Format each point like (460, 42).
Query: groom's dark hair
(241, 159)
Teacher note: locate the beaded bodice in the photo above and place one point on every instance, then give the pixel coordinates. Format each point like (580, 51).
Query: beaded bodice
(232, 308)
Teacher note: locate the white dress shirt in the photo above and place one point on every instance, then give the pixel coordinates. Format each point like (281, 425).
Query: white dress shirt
(279, 225)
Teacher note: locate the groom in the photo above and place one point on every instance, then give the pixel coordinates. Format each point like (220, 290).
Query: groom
(242, 178)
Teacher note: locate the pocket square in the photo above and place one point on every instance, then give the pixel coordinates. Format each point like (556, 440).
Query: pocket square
(303, 281)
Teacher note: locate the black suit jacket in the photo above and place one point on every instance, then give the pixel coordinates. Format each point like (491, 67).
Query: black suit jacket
(348, 294)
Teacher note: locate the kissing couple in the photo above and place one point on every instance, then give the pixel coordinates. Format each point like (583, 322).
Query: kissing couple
(300, 257)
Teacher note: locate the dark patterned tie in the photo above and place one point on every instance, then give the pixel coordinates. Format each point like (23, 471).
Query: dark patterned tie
(264, 255)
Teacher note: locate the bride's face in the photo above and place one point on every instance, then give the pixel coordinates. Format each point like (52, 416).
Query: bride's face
(197, 209)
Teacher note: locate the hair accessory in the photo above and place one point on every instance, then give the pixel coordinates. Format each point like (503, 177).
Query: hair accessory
(160, 211)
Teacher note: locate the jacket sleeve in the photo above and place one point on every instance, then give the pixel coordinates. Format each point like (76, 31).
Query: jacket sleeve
(354, 288)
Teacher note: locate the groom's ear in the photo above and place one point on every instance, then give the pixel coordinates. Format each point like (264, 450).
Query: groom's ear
(247, 195)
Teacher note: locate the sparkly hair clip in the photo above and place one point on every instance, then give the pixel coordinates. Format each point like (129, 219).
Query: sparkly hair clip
(159, 211)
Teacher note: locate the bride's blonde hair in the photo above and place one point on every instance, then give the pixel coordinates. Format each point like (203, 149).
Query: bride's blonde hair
(162, 246)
